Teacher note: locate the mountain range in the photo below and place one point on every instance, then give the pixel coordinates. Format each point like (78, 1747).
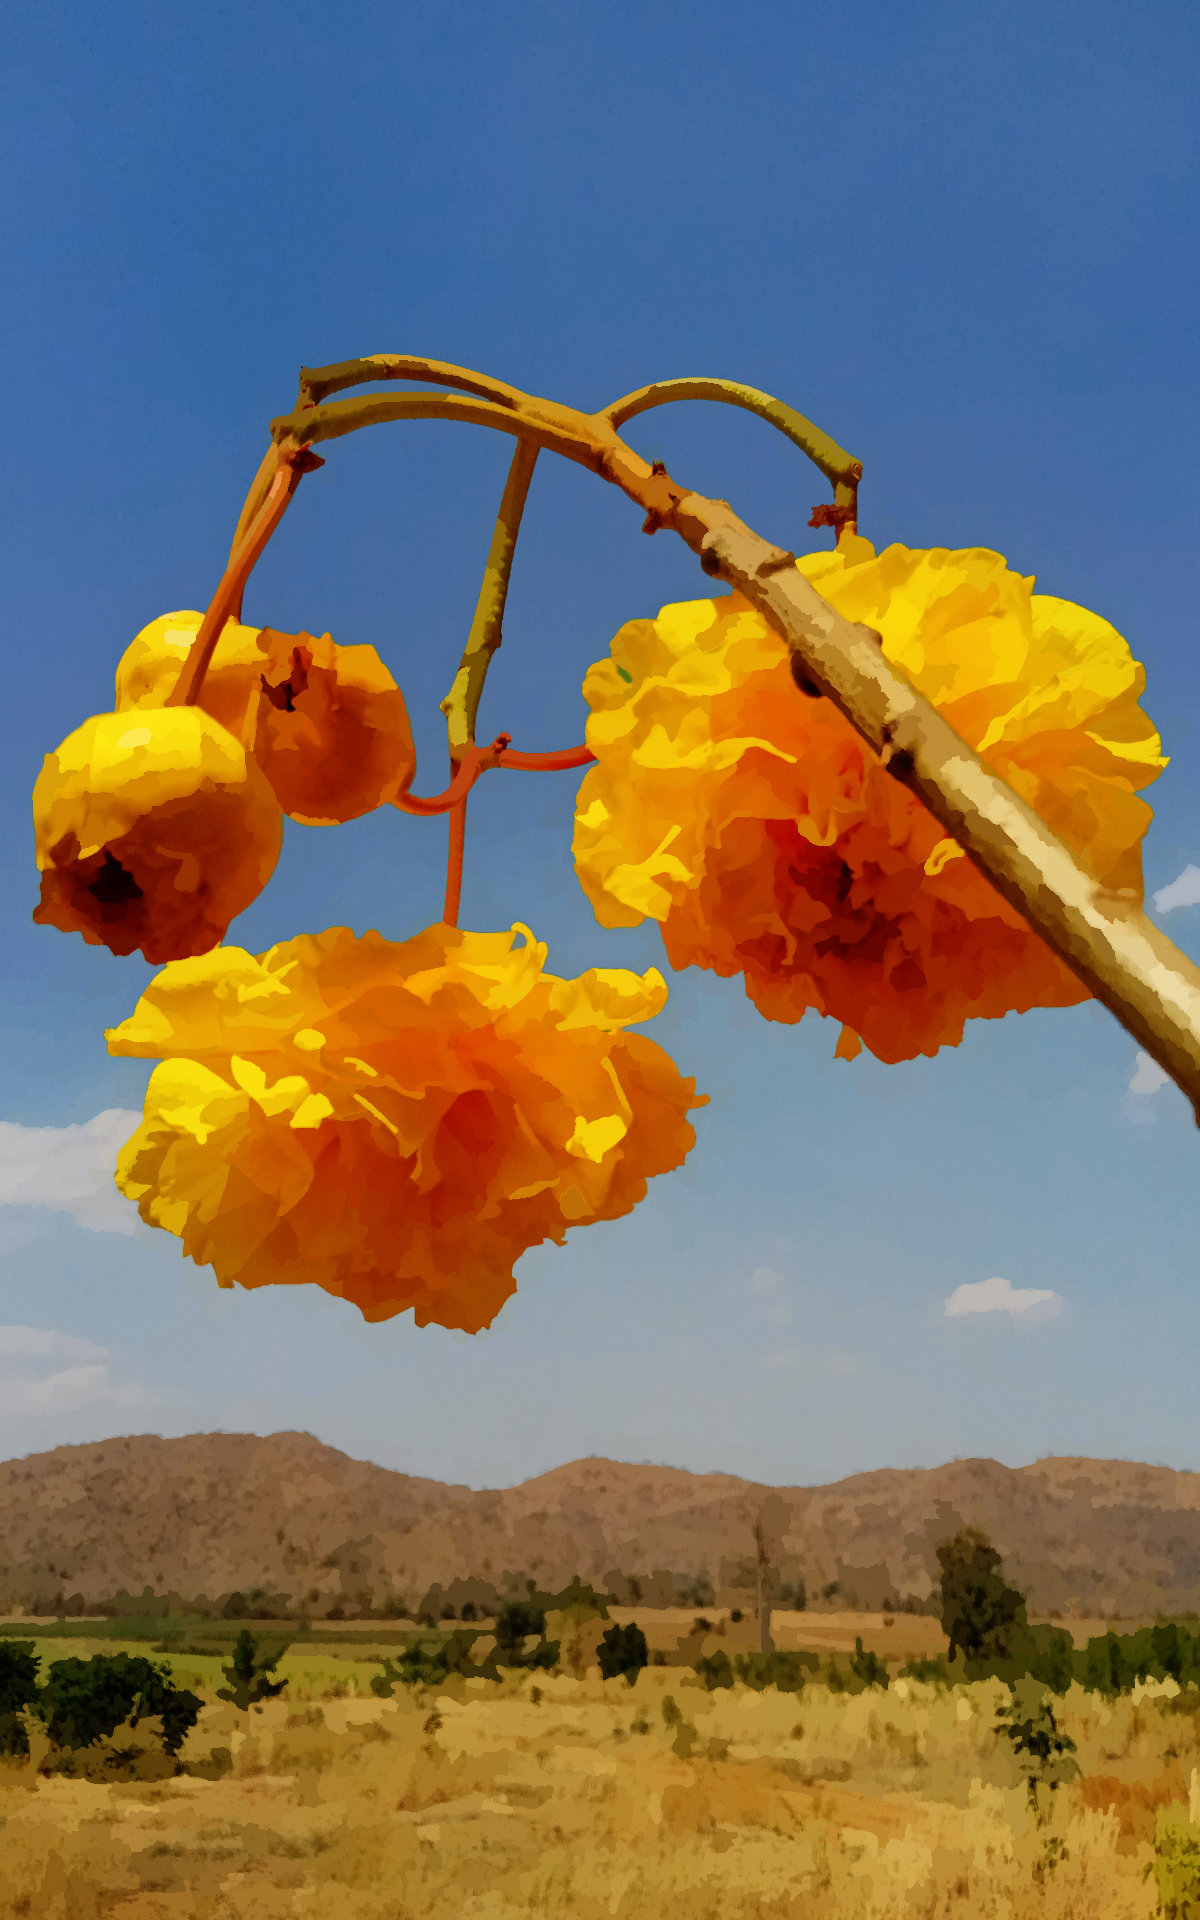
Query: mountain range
(219, 1514)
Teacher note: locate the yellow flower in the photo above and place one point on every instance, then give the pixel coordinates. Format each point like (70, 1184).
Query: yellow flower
(151, 664)
(765, 836)
(395, 1123)
(326, 723)
(153, 831)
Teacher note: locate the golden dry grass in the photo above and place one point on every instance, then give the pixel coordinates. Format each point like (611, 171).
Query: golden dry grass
(558, 1796)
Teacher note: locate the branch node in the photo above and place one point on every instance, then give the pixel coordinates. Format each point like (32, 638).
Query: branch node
(828, 515)
(802, 677)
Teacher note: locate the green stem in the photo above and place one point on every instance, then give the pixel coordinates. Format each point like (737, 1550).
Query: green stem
(461, 704)
(835, 463)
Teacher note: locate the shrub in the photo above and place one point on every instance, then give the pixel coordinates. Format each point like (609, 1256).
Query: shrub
(422, 1665)
(18, 1690)
(518, 1620)
(931, 1673)
(623, 1650)
(867, 1667)
(715, 1669)
(84, 1701)
(1044, 1755)
(1177, 1865)
(248, 1674)
(786, 1671)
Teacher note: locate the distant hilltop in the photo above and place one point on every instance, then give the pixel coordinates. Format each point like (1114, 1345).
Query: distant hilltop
(291, 1522)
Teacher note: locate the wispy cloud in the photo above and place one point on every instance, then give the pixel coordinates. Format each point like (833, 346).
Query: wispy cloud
(1000, 1296)
(44, 1372)
(1184, 891)
(69, 1169)
(1146, 1080)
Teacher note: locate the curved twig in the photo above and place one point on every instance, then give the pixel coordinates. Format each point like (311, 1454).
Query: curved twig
(290, 468)
(317, 383)
(835, 463)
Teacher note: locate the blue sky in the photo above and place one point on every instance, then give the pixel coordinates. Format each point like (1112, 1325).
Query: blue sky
(960, 238)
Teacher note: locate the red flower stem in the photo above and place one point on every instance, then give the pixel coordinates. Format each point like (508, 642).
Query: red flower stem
(454, 860)
(546, 762)
(228, 596)
(477, 760)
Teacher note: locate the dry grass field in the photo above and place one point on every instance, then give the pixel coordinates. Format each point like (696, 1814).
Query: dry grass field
(552, 1795)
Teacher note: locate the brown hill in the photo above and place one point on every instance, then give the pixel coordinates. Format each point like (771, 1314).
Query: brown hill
(220, 1512)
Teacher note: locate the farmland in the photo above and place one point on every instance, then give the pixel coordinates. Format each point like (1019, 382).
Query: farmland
(549, 1794)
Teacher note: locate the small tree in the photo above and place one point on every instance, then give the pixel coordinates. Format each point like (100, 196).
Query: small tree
(1044, 1755)
(867, 1666)
(248, 1675)
(18, 1690)
(623, 1650)
(87, 1700)
(982, 1615)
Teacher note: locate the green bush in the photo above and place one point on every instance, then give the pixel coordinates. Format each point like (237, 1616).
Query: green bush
(18, 1690)
(715, 1669)
(787, 1671)
(84, 1701)
(248, 1676)
(931, 1673)
(1177, 1865)
(1044, 1755)
(623, 1650)
(425, 1665)
(867, 1667)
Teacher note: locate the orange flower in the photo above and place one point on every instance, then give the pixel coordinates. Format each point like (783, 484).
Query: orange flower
(326, 723)
(395, 1123)
(332, 733)
(153, 831)
(765, 836)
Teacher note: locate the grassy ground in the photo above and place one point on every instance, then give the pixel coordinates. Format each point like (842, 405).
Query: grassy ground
(549, 1795)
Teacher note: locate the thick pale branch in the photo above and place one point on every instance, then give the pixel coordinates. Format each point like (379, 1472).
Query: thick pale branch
(1104, 937)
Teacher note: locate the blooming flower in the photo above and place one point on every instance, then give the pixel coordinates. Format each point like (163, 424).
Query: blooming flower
(153, 830)
(766, 837)
(395, 1123)
(326, 723)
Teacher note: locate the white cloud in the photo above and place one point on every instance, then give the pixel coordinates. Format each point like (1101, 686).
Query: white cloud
(1182, 892)
(774, 1360)
(73, 1374)
(763, 1279)
(1000, 1296)
(1146, 1080)
(69, 1169)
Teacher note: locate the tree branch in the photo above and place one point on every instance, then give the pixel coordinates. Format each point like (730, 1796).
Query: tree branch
(1108, 942)
(461, 705)
(835, 463)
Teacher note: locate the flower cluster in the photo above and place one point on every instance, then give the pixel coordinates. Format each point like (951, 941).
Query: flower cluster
(326, 723)
(767, 838)
(396, 1123)
(155, 825)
